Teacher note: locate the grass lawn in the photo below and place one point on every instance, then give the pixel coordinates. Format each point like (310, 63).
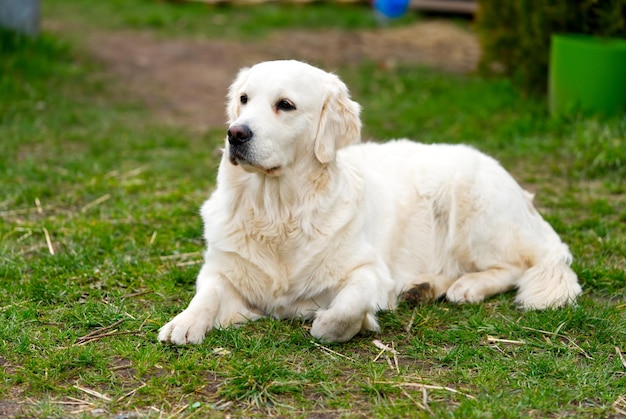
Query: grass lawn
(100, 239)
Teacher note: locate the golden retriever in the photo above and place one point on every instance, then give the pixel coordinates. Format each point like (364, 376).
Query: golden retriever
(307, 223)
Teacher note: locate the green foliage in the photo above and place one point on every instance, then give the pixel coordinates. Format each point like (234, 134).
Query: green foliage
(598, 150)
(515, 35)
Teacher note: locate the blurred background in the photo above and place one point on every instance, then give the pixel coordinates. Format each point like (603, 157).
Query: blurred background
(179, 56)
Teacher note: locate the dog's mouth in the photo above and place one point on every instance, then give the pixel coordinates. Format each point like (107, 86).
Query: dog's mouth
(252, 168)
(239, 158)
(274, 171)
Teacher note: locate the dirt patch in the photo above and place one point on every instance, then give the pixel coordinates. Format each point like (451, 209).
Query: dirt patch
(10, 409)
(185, 81)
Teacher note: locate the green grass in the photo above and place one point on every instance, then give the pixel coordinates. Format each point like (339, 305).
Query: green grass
(117, 195)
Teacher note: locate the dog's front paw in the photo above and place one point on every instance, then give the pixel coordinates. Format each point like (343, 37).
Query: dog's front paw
(464, 291)
(190, 326)
(330, 327)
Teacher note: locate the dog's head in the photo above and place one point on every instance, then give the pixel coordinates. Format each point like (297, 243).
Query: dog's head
(284, 112)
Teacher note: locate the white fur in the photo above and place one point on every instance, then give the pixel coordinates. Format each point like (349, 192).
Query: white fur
(308, 225)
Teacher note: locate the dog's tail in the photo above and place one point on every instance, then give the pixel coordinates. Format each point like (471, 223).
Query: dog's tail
(550, 283)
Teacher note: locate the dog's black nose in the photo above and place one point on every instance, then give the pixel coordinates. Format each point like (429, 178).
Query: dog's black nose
(239, 134)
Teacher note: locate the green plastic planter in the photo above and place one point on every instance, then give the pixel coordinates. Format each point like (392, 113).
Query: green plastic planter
(587, 74)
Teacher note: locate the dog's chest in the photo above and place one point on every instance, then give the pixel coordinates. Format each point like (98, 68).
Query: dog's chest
(277, 236)
(272, 251)
(280, 260)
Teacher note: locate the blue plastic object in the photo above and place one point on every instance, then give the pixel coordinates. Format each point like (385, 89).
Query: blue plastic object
(391, 8)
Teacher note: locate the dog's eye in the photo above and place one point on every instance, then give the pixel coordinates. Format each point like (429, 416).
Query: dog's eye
(285, 105)
(243, 99)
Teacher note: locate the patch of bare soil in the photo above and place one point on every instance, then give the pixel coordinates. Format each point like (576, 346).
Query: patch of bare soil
(9, 407)
(185, 81)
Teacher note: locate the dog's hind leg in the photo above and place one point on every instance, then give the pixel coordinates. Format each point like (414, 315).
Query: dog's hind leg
(476, 286)
(425, 288)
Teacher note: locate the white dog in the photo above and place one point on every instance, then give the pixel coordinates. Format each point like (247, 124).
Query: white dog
(305, 223)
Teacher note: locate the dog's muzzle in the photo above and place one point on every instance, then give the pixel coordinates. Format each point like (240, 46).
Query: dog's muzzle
(238, 138)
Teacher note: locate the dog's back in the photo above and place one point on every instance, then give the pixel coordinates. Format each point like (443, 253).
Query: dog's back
(449, 212)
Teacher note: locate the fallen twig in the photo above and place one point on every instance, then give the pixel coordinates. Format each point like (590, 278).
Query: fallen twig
(180, 256)
(92, 393)
(499, 349)
(415, 402)
(48, 240)
(429, 386)
(382, 351)
(425, 400)
(100, 330)
(95, 203)
(24, 236)
(189, 263)
(618, 351)
(179, 411)
(410, 325)
(331, 352)
(491, 339)
(130, 393)
(105, 335)
(385, 348)
(121, 367)
(395, 357)
(377, 343)
(184, 257)
(133, 172)
(143, 323)
(389, 362)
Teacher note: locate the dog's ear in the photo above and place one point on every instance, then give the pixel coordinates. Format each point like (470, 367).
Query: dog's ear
(339, 123)
(233, 104)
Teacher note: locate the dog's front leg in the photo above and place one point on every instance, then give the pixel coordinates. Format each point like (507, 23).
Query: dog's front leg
(215, 304)
(355, 306)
